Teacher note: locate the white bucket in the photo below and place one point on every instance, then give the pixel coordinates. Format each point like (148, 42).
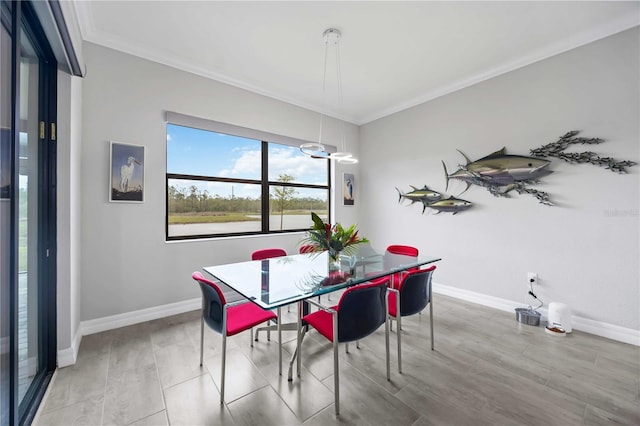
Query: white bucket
(560, 316)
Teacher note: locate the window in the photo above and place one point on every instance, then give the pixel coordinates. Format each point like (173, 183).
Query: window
(236, 181)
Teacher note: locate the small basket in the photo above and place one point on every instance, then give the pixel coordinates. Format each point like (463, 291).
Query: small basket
(528, 316)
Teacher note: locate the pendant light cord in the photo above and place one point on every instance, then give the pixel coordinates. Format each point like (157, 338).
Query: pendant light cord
(324, 92)
(340, 97)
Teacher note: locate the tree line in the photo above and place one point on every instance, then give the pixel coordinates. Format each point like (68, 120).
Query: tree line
(193, 200)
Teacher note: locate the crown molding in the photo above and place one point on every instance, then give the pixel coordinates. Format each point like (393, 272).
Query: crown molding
(562, 46)
(91, 34)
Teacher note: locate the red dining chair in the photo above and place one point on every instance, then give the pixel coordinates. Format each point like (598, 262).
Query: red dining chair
(228, 319)
(264, 254)
(396, 254)
(267, 253)
(411, 297)
(362, 309)
(404, 250)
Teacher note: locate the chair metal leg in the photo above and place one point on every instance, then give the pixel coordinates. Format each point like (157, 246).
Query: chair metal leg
(346, 348)
(299, 343)
(387, 321)
(201, 338)
(399, 333)
(336, 371)
(250, 336)
(279, 342)
(386, 343)
(357, 344)
(431, 321)
(224, 361)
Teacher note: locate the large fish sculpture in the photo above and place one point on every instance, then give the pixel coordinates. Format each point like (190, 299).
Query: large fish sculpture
(423, 194)
(501, 173)
(500, 169)
(451, 205)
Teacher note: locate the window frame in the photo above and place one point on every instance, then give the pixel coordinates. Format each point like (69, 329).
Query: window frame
(265, 184)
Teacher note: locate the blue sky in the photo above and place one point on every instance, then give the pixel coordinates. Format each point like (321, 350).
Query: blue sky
(199, 152)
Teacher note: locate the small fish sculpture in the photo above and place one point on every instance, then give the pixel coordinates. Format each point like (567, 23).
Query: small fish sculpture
(451, 205)
(423, 194)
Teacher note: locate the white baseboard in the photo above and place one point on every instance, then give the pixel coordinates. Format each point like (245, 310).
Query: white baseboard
(68, 356)
(603, 329)
(135, 317)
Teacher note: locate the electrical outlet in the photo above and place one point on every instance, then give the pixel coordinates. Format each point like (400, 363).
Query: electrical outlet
(532, 278)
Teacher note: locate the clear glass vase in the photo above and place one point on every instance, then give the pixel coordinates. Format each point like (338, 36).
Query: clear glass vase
(334, 260)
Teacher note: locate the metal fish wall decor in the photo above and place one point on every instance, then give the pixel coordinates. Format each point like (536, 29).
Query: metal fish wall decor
(434, 200)
(452, 205)
(423, 194)
(501, 173)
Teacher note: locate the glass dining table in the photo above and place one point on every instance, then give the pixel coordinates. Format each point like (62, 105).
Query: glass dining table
(280, 281)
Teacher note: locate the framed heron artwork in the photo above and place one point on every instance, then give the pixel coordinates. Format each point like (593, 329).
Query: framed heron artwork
(348, 189)
(126, 183)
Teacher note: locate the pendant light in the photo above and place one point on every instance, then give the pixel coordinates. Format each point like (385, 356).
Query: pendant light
(317, 150)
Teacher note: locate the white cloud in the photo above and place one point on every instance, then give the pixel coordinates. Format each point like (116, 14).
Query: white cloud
(303, 169)
(247, 165)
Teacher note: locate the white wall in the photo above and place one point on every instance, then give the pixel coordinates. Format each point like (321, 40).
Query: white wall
(585, 249)
(68, 217)
(126, 264)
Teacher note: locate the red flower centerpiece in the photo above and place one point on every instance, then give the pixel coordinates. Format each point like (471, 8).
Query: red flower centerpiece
(334, 239)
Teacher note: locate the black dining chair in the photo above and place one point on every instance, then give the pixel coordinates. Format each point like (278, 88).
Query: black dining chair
(411, 296)
(228, 319)
(362, 309)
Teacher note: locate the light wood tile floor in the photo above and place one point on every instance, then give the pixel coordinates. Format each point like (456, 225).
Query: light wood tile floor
(487, 369)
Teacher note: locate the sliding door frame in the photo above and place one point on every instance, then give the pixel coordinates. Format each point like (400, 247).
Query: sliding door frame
(23, 17)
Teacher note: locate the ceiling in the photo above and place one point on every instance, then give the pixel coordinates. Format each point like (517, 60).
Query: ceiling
(394, 55)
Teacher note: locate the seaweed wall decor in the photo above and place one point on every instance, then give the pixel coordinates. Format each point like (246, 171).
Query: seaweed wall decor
(500, 173)
(556, 149)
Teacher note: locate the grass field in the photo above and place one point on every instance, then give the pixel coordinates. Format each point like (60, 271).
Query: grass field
(182, 218)
(213, 217)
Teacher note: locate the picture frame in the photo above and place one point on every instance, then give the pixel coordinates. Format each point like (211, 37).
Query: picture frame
(348, 189)
(126, 173)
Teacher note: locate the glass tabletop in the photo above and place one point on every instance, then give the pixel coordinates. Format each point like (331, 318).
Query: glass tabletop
(283, 280)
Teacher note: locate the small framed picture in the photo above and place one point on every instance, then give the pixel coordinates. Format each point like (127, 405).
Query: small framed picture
(126, 183)
(348, 189)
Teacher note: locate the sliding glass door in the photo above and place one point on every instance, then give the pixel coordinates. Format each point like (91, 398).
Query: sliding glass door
(27, 213)
(6, 76)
